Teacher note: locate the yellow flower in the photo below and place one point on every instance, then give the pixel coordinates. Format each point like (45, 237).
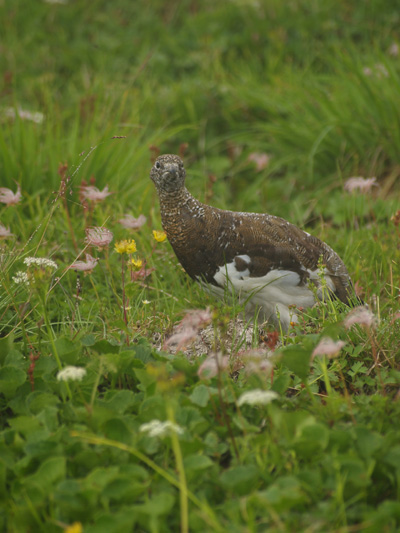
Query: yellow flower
(131, 248)
(137, 263)
(120, 247)
(76, 527)
(125, 247)
(159, 236)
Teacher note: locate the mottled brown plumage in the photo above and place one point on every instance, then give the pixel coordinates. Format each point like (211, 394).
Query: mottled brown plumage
(261, 255)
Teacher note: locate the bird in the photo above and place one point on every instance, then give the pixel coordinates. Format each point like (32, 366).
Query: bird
(273, 267)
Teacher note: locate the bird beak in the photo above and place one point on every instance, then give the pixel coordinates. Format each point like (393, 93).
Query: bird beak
(171, 168)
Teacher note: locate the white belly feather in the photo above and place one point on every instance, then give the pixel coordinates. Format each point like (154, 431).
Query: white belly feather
(272, 293)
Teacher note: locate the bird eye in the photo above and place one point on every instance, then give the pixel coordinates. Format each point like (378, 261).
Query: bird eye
(158, 166)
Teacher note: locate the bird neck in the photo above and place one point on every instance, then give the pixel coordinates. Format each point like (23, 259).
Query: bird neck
(174, 202)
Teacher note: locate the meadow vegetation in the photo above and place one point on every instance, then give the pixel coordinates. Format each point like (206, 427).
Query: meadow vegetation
(106, 425)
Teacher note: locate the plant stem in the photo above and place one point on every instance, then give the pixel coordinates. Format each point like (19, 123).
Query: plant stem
(324, 367)
(208, 513)
(123, 295)
(54, 347)
(183, 496)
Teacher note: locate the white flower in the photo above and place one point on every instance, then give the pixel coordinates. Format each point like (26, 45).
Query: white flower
(145, 302)
(363, 185)
(156, 428)
(257, 397)
(21, 277)
(71, 373)
(40, 261)
(36, 117)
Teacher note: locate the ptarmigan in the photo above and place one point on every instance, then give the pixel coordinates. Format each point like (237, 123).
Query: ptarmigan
(270, 263)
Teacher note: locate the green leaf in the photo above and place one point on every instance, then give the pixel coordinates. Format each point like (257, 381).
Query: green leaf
(68, 350)
(368, 442)
(244, 425)
(286, 493)
(312, 438)
(120, 401)
(3, 478)
(37, 401)
(339, 440)
(159, 504)
(88, 340)
(24, 424)
(240, 479)
(144, 377)
(124, 489)
(104, 347)
(200, 395)
(99, 477)
(116, 429)
(197, 462)
(6, 344)
(15, 358)
(143, 352)
(48, 473)
(354, 472)
(281, 383)
(10, 379)
(392, 457)
(297, 360)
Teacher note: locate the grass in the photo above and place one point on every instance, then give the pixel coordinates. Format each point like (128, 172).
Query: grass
(313, 85)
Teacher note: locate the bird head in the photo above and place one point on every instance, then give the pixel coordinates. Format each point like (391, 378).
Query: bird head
(168, 173)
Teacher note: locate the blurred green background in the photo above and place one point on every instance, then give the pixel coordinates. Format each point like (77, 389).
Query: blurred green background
(313, 84)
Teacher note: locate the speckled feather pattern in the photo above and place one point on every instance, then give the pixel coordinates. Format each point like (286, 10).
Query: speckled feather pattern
(205, 239)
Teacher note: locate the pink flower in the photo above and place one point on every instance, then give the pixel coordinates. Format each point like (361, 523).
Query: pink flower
(394, 50)
(85, 266)
(378, 70)
(396, 218)
(327, 346)
(359, 315)
(93, 194)
(143, 273)
(5, 232)
(196, 318)
(181, 338)
(261, 160)
(188, 327)
(100, 237)
(210, 366)
(8, 197)
(256, 361)
(131, 222)
(363, 185)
